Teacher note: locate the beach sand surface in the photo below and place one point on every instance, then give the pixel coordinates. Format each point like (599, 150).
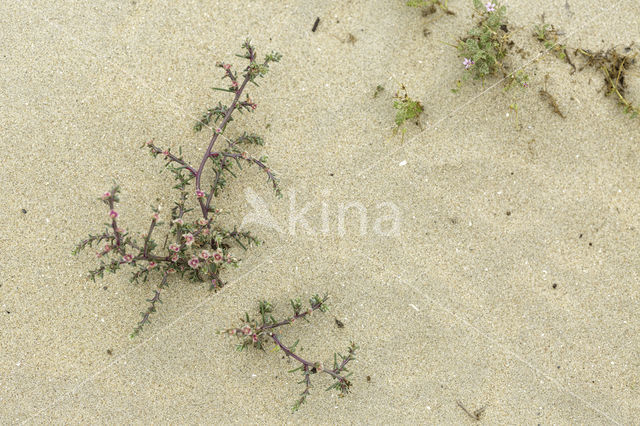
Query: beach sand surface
(510, 283)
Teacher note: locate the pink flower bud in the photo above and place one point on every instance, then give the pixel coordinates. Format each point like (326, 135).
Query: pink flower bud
(127, 258)
(152, 265)
(199, 193)
(165, 153)
(155, 216)
(218, 130)
(106, 195)
(254, 106)
(113, 214)
(254, 338)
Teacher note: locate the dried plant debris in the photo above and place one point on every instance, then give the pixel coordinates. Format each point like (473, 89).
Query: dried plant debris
(614, 65)
(551, 100)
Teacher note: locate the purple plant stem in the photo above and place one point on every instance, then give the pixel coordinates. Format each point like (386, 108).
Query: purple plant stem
(335, 374)
(205, 206)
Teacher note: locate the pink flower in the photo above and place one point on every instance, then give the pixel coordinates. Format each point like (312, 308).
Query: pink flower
(152, 265)
(254, 106)
(171, 271)
(205, 231)
(217, 257)
(202, 221)
(179, 221)
(246, 330)
(218, 130)
(107, 248)
(175, 257)
(155, 216)
(113, 214)
(226, 66)
(200, 193)
(106, 195)
(232, 331)
(165, 152)
(467, 63)
(254, 338)
(491, 7)
(194, 262)
(205, 254)
(188, 239)
(174, 247)
(245, 154)
(234, 84)
(127, 258)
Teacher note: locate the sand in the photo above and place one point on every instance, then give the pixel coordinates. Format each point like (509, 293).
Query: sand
(511, 282)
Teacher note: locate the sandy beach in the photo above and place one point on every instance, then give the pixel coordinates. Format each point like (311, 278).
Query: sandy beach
(478, 261)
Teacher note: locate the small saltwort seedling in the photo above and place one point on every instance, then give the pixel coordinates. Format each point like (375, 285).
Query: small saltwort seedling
(199, 248)
(407, 109)
(548, 36)
(256, 332)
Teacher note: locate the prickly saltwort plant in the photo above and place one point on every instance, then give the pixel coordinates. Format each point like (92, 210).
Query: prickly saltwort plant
(258, 332)
(198, 248)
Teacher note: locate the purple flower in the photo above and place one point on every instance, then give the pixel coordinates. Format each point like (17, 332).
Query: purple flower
(491, 7)
(467, 63)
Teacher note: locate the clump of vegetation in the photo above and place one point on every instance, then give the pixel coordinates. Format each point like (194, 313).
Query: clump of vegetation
(194, 245)
(486, 44)
(406, 109)
(614, 65)
(258, 332)
(430, 6)
(548, 36)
